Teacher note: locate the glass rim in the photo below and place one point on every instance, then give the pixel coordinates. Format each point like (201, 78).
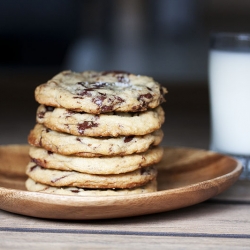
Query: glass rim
(231, 35)
(230, 41)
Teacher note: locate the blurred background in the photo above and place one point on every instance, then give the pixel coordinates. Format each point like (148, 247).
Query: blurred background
(165, 39)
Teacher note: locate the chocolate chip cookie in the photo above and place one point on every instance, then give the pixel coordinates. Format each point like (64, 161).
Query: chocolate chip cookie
(31, 185)
(96, 165)
(84, 146)
(59, 178)
(109, 124)
(100, 92)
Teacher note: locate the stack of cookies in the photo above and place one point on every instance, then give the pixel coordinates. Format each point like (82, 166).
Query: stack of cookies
(97, 133)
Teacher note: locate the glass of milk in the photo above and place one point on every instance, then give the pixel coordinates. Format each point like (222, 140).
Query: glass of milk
(229, 85)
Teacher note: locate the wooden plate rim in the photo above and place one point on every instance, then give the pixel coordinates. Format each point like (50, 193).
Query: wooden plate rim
(75, 201)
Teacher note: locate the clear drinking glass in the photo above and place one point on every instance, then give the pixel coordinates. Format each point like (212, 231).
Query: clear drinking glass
(229, 86)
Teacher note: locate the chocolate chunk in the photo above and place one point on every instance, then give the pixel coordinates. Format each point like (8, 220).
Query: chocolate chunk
(128, 138)
(147, 96)
(136, 108)
(75, 191)
(92, 85)
(106, 109)
(50, 153)
(37, 161)
(85, 93)
(143, 101)
(57, 179)
(98, 100)
(141, 107)
(32, 168)
(86, 125)
(119, 99)
(88, 87)
(114, 100)
(77, 97)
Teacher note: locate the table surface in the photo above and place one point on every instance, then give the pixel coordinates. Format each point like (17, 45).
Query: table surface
(222, 222)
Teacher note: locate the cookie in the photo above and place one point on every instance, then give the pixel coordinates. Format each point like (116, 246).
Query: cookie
(109, 124)
(100, 92)
(38, 187)
(97, 165)
(84, 146)
(59, 178)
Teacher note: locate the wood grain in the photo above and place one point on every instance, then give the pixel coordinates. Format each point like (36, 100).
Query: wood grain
(93, 241)
(219, 226)
(209, 219)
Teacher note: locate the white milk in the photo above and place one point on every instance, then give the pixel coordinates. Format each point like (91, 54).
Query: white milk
(229, 74)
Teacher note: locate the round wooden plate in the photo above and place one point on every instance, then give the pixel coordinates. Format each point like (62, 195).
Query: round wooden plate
(186, 177)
